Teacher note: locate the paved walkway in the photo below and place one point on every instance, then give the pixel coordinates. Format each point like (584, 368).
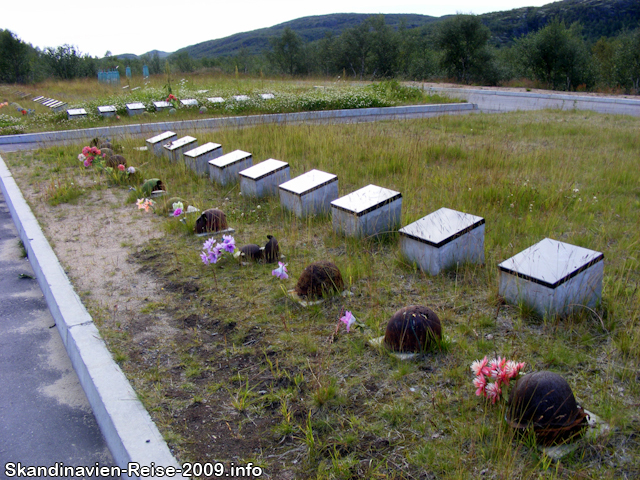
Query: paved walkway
(44, 414)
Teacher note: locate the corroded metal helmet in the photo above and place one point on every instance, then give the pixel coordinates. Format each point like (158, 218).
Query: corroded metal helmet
(413, 329)
(318, 279)
(544, 401)
(211, 220)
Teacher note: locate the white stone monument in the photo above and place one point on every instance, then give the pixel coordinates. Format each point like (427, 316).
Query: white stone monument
(107, 111)
(176, 148)
(263, 179)
(135, 108)
(225, 169)
(155, 144)
(552, 277)
(443, 239)
(189, 102)
(369, 211)
(75, 113)
(198, 158)
(162, 105)
(310, 193)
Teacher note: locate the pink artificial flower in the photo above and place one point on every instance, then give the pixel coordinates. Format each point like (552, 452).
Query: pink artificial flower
(496, 366)
(281, 271)
(493, 391)
(87, 161)
(480, 382)
(348, 319)
(121, 167)
(479, 367)
(86, 150)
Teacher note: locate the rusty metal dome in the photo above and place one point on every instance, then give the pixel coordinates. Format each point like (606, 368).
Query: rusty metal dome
(413, 329)
(544, 401)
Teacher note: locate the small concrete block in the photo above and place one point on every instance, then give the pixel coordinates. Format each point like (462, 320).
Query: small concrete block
(368, 211)
(162, 105)
(267, 96)
(189, 102)
(135, 108)
(310, 193)
(215, 99)
(55, 104)
(107, 111)
(176, 148)
(58, 108)
(552, 277)
(74, 113)
(49, 102)
(240, 98)
(443, 239)
(224, 170)
(198, 158)
(263, 179)
(156, 143)
(37, 99)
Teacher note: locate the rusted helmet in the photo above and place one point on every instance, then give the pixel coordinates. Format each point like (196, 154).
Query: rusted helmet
(413, 329)
(318, 279)
(211, 220)
(545, 402)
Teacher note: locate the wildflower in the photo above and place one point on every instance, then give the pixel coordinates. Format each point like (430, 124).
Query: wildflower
(281, 271)
(479, 367)
(480, 382)
(228, 243)
(121, 167)
(131, 170)
(493, 391)
(348, 319)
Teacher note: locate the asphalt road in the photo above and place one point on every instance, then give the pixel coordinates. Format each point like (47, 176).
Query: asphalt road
(45, 417)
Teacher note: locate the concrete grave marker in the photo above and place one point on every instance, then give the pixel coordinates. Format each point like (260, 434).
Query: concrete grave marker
(75, 113)
(267, 96)
(240, 98)
(553, 277)
(368, 211)
(263, 179)
(198, 158)
(443, 239)
(107, 111)
(224, 170)
(156, 143)
(189, 102)
(162, 105)
(135, 108)
(215, 99)
(310, 193)
(176, 148)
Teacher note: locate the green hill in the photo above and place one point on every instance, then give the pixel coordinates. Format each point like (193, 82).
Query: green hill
(598, 17)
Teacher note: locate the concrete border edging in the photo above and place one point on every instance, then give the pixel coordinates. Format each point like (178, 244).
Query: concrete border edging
(126, 426)
(346, 115)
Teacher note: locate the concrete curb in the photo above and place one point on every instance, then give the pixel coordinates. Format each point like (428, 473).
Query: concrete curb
(546, 96)
(150, 129)
(126, 426)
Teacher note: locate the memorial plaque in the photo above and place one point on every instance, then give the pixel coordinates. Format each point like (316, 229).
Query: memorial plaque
(189, 102)
(156, 143)
(443, 239)
(371, 210)
(267, 96)
(162, 105)
(107, 111)
(135, 108)
(553, 277)
(216, 99)
(240, 98)
(225, 169)
(198, 158)
(75, 113)
(310, 193)
(176, 148)
(263, 179)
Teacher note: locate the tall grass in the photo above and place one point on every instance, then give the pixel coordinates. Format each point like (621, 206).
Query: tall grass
(330, 406)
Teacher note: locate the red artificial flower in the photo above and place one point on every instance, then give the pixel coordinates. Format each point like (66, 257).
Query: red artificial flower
(121, 167)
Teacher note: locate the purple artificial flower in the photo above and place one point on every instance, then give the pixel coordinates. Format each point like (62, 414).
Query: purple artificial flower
(204, 257)
(208, 245)
(228, 243)
(348, 319)
(281, 271)
(177, 212)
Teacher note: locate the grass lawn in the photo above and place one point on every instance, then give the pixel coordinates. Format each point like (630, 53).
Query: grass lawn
(251, 375)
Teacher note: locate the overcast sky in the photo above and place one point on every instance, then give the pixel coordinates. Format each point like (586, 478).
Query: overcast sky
(138, 26)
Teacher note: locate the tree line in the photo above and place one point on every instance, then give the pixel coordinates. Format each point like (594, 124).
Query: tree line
(556, 56)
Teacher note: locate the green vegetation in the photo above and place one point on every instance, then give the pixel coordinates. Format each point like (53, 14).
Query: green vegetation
(595, 45)
(247, 374)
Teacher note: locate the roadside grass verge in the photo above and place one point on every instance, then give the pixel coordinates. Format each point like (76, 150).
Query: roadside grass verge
(251, 375)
